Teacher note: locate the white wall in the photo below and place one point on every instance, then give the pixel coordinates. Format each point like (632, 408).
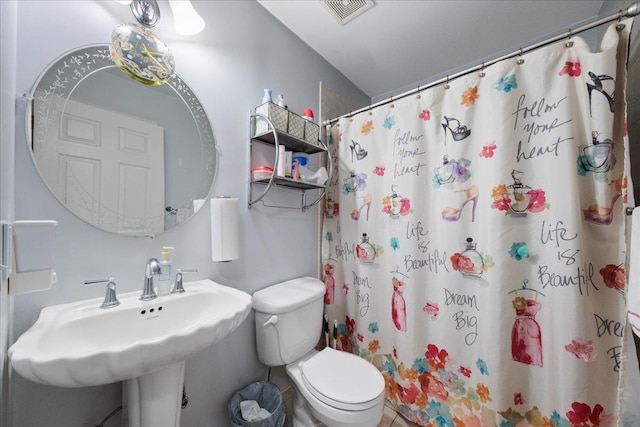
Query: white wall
(242, 51)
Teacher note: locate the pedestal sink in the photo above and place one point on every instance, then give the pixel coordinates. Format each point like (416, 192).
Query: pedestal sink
(143, 343)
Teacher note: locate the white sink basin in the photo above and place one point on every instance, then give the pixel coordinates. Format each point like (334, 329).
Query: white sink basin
(80, 344)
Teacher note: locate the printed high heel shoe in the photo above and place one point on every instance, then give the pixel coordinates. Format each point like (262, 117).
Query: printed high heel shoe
(453, 214)
(360, 152)
(597, 86)
(366, 201)
(603, 215)
(458, 133)
(600, 215)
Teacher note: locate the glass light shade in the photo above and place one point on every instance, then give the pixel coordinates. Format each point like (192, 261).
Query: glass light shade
(185, 18)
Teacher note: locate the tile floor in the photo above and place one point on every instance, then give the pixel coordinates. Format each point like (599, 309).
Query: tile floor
(390, 418)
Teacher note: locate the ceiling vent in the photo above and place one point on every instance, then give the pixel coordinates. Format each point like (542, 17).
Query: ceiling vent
(347, 10)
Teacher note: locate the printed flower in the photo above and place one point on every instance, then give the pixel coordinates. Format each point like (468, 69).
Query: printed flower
(360, 337)
(482, 366)
(582, 349)
(519, 251)
(345, 288)
(388, 368)
(462, 263)
(432, 309)
(390, 386)
(517, 399)
(487, 150)
(583, 415)
(537, 201)
(519, 303)
(419, 365)
(351, 325)
(373, 327)
(425, 115)
(433, 387)
(328, 236)
(507, 83)
(614, 277)
(436, 357)
(395, 352)
(483, 393)
(409, 394)
(379, 170)
(329, 139)
(572, 69)
(465, 371)
(411, 375)
(367, 128)
(440, 414)
(422, 400)
(389, 122)
(501, 199)
(469, 96)
(340, 137)
(395, 243)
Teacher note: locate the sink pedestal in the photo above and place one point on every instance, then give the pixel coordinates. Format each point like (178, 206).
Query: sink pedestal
(155, 399)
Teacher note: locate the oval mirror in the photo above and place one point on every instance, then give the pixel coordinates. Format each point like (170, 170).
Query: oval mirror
(127, 158)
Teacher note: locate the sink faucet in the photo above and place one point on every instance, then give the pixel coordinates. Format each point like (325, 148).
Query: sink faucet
(110, 298)
(152, 269)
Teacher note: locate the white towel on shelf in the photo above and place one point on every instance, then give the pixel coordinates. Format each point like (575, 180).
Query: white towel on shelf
(633, 283)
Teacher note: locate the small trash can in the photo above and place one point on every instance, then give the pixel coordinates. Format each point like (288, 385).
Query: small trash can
(268, 397)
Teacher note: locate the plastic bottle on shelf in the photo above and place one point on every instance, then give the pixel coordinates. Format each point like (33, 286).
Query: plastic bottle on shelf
(282, 160)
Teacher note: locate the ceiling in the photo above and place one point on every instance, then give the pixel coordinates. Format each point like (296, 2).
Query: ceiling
(400, 44)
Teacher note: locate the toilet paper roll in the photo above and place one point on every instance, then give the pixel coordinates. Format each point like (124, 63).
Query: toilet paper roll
(225, 239)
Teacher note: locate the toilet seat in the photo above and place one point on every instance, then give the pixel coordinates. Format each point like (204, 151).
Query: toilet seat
(342, 380)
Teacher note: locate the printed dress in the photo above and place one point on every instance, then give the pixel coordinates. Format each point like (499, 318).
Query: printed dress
(526, 337)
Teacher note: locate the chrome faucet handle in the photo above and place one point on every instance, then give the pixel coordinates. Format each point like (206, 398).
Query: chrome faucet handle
(110, 298)
(177, 285)
(152, 269)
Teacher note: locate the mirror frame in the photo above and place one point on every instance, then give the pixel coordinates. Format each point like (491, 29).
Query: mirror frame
(71, 69)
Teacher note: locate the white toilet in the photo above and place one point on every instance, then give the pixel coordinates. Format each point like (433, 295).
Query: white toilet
(332, 387)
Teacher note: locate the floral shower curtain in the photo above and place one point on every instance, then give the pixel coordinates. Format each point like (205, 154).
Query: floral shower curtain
(474, 241)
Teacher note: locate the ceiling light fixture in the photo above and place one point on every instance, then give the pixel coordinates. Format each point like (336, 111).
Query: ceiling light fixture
(185, 18)
(146, 12)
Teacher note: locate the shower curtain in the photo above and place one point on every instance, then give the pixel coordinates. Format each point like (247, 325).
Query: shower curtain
(474, 241)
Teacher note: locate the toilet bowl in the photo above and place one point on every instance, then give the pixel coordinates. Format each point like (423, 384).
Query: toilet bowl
(331, 387)
(338, 388)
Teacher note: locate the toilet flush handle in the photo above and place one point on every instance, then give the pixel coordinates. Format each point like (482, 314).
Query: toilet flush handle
(273, 320)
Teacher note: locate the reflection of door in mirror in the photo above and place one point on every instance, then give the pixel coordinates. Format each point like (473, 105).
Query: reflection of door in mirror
(95, 148)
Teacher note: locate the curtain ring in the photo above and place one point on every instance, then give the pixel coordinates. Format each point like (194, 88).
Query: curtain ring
(569, 43)
(520, 60)
(391, 101)
(446, 85)
(482, 74)
(620, 27)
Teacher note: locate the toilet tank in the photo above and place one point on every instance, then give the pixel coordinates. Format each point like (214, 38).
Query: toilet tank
(288, 319)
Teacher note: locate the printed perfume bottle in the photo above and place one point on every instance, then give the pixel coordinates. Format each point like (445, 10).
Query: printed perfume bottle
(395, 205)
(470, 262)
(517, 199)
(450, 171)
(597, 157)
(365, 251)
(354, 182)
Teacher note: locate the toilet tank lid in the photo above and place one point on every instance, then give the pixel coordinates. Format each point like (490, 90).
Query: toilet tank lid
(286, 296)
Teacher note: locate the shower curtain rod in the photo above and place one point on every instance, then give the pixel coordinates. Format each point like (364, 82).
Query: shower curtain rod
(632, 10)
